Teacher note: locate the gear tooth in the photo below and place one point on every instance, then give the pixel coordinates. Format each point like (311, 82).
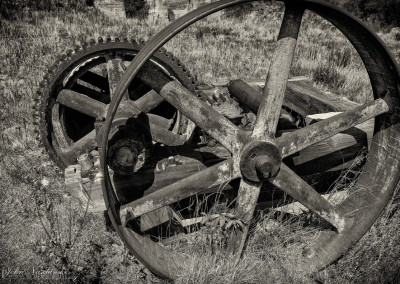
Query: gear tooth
(134, 41)
(52, 68)
(41, 98)
(62, 57)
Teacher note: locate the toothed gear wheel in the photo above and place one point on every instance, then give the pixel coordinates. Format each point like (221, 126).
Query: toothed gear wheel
(60, 129)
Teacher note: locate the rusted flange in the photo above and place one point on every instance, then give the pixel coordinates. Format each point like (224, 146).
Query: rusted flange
(260, 160)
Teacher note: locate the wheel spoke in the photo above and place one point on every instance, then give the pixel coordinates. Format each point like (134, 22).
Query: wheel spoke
(84, 145)
(204, 116)
(81, 103)
(314, 133)
(289, 182)
(148, 101)
(115, 70)
(245, 206)
(278, 74)
(212, 177)
(95, 80)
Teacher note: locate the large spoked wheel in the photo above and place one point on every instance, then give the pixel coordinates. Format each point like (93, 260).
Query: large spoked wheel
(257, 156)
(78, 89)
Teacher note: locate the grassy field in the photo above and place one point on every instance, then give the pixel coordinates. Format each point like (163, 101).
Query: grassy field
(42, 228)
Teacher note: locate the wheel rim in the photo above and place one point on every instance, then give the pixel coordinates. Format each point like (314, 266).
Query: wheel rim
(384, 166)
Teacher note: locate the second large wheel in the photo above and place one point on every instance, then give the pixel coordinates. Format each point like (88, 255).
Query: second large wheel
(256, 156)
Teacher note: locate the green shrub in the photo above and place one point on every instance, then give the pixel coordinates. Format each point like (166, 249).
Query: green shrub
(137, 9)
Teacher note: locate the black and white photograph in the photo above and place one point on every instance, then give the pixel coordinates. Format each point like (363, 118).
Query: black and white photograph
(200, 141)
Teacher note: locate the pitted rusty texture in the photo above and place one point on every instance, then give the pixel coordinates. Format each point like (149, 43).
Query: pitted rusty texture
(115, 69)
(302, 138)
(295, 186)
(213, 176)
(278, 74)
(204, 116)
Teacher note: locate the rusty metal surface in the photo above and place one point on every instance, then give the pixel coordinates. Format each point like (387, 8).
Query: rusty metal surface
(295, 186)
(278, 74)
(214, 176)
(302, 138)
(256, 164)
(149, 101)
(204, 116)
(245, 205)
(81, 103)
(115, 69)
(259, 160)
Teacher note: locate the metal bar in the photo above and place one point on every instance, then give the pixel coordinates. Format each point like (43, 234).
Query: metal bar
(204, 116)
(267, 117)
(81, 103)
(95, 80)
(102, 97)
(295, 186)
(211, 177)
(84, 145)
(148, 101)
(278, 74)
(314, 133)
(245, 205)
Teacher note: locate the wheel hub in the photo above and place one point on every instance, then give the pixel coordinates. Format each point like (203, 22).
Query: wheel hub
(260, 160)
(126, 156)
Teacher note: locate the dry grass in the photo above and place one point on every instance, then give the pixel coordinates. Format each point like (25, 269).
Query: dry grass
(33, 196)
